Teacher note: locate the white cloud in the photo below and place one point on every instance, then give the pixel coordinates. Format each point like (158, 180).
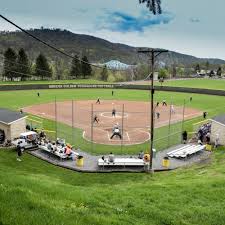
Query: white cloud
(204, 38)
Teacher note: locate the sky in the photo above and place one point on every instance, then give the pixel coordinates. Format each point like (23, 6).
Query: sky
(194, 27)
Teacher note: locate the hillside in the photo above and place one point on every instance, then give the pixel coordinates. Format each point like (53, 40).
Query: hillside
(98, 50)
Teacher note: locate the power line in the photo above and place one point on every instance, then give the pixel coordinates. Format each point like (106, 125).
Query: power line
(20, 73)
(48, 45)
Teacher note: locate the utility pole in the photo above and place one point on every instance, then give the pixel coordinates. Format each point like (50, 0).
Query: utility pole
(152, 53)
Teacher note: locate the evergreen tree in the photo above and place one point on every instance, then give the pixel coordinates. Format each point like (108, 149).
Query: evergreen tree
(23, 65)
(197, 68)
(104, 74)
(10, 64)
(85, 67)
(42, 68)
(75, 70)
(207, 66)
(153, 5)
(219, 71)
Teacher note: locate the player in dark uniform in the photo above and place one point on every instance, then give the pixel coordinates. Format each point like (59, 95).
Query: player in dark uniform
(98, 101)
(96, 119)
(204, 115)
(164, 103)
(113, 113)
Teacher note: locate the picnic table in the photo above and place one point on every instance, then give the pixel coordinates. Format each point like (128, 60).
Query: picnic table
(186, 151)
(59, 153)
(122, 162)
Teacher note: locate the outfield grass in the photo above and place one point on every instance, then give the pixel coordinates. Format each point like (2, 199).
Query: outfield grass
(17, 99)
(34, 192)
(196, 83)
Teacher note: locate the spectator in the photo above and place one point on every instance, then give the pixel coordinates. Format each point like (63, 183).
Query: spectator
(111, 157)
(204, 115)
(217, 141)
(141, 155)
(184, 137)
(19, 153)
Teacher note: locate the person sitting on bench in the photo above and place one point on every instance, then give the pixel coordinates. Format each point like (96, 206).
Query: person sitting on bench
(116, 132)
(111, 157)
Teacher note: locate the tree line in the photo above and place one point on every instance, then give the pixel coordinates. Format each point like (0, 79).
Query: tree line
(18, 66)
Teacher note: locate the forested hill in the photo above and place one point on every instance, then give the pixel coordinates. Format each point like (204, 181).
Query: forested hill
(96, 49)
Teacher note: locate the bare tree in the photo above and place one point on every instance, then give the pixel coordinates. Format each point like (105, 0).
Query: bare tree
(153, 5)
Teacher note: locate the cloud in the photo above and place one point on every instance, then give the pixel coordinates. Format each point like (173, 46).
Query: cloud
(123, 22)
(194, 20)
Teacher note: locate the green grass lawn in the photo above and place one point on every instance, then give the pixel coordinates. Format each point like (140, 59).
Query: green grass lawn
(34, 192)
(196, 83)
(16, 99)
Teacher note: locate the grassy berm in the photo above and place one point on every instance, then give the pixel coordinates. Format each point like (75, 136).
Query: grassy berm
(35, 192)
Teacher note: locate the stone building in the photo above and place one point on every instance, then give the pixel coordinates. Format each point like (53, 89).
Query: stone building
(12, 124)
(218, 128)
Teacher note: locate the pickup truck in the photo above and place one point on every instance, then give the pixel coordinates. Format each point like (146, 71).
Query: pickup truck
(26, 140)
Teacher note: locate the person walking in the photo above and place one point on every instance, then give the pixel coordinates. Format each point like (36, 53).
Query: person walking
(19, 153)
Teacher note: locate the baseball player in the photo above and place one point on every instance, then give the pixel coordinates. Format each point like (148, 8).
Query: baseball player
(98, 101)
(172, 109)
(164, 103)
(96, 119)
(113, 112)
(116, 131)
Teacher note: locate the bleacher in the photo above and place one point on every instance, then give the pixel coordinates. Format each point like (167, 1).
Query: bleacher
(186, 151)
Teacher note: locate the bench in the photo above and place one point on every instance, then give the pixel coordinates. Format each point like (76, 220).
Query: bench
(122, 162)
(186, 151)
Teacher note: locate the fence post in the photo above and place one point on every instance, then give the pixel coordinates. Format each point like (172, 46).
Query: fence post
(121, 148)
(72, 138)
(168, 143)
(56, 132)
(92, 127)
(182, 126)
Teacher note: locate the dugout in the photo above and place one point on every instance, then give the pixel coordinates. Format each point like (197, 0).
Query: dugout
(218, 127)
(12, 124)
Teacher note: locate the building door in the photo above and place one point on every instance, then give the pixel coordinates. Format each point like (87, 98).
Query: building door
(2, 136)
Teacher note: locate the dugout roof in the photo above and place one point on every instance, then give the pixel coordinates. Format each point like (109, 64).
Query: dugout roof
(219, 119)
(8, 116)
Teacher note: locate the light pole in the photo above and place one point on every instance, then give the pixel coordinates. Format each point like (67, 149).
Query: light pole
(152, 53)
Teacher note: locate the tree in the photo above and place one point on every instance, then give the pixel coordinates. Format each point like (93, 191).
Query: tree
(154, 6)
(174, 71)
(85, 67)
(219, 71)
(10, 64)
(75, 70)
(207, 66)
(42, 68)
(104, 74)
(23, 65)
(163, 73)
(197, 68)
